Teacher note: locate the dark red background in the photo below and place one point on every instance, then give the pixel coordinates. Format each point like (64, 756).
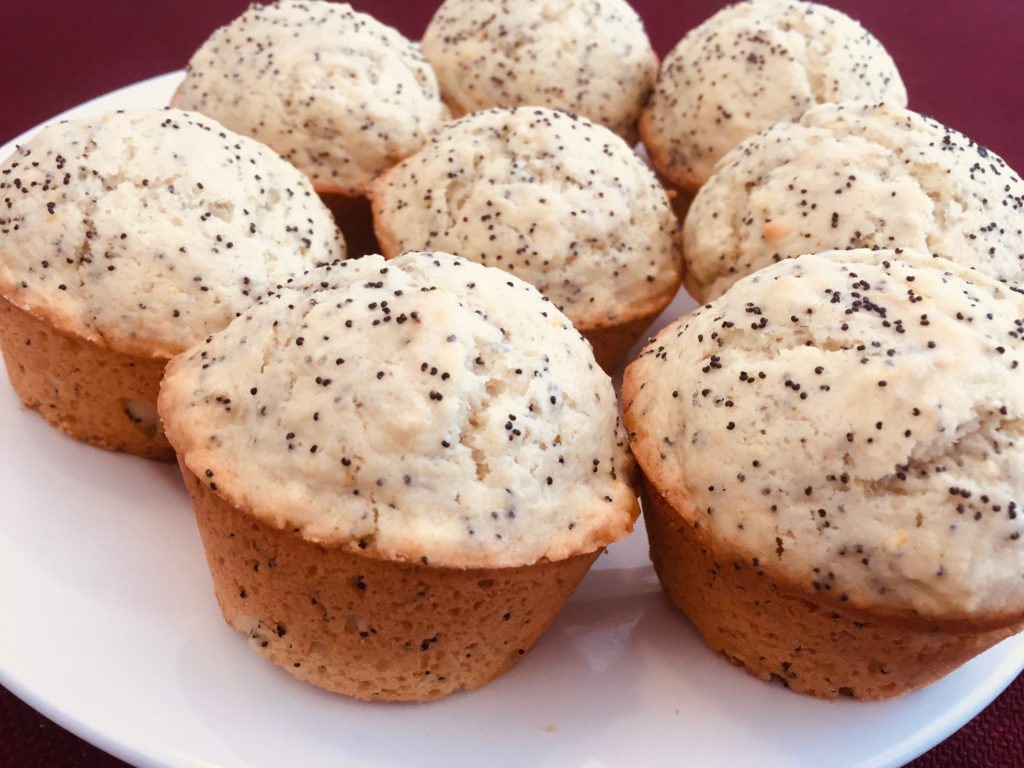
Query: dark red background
(962, 61)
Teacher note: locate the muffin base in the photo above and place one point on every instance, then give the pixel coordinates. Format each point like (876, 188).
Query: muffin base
(93, 393)
(370, 628)
(805, 644)
(613, 340)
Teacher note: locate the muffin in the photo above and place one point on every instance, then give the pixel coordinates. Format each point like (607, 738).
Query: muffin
(749, 66)
(128, 237)
(833, 469)
(591, 58)
(553, 198)
(334, 91)
(400, 474)
(854, 176)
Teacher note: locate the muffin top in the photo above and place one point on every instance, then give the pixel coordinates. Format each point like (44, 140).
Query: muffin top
(551, 197)
(334, 91)
(590, 57)
(850, 422)
(424, 409)
(144, 231)
(849, 176)
(749, 66)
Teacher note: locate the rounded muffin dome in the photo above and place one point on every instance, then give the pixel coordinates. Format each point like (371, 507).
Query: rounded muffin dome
(850, 423)
(854, 175)
(334, 91)
(423, 409)
(591, 58)
(143, 231)
(749, 66)
(551, 197)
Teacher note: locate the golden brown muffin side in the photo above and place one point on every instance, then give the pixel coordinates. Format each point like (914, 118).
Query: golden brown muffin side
(374, 628)
(774, 630)
(96, 394)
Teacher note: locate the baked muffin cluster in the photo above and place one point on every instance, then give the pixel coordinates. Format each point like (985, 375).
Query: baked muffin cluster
(829, 442)
(347, 99)
(402, 465)
(454, 431)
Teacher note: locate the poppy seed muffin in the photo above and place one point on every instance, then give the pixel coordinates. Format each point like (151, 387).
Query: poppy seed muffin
(592, 58)
(334, 91)
(854, 175)
(401, 474)
(749, 66)
(553, 198)
(834, 471)
(128, 237)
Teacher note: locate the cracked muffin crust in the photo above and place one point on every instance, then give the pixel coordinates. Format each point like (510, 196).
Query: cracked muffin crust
(749, 66)
(127, 238)
(553, 198)
(589, 57)
(866, 408)
(848, 176)
(422, 415)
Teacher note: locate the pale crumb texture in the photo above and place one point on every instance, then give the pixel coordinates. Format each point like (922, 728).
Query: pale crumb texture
(590, 57)
(334, 91)
(851, 421)
(144, 231)
(553, 198)
(854, 176)
(424, 409)
(749, 66)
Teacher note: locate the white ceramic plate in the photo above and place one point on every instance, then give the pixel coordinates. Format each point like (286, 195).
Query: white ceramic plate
(111, 629)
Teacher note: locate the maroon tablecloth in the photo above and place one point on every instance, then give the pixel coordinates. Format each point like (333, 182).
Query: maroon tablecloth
(963, 63)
